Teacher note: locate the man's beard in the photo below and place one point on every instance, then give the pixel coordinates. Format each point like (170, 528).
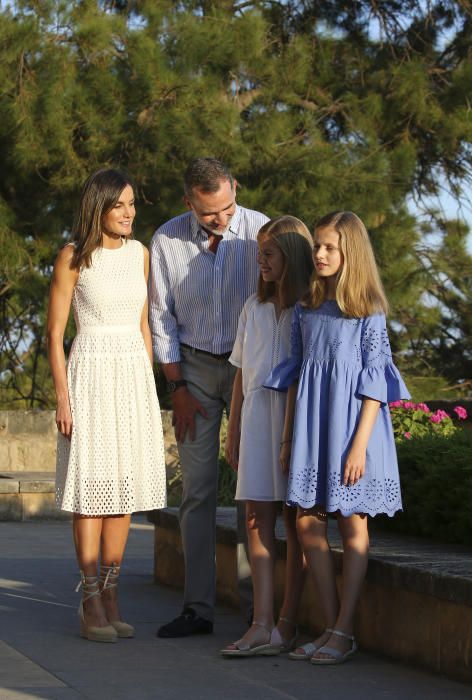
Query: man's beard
(217, 231)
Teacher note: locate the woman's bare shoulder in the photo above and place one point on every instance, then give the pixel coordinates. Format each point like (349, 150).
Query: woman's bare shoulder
(64, 260)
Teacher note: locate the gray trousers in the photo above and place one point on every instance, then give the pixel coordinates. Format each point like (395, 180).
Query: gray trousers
(210, 381)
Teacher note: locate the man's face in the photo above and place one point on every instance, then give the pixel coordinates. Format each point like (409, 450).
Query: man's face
(214, 210)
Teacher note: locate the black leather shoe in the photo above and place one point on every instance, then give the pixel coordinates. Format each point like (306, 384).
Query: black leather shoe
(186, 624)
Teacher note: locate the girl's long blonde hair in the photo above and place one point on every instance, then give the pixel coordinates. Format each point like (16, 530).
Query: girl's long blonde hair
(359, 290)
(296, 244)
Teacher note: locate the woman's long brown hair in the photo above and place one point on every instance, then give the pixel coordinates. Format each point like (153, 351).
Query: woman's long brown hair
(100, 193)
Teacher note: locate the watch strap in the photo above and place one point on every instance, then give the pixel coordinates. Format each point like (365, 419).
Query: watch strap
(176, 384)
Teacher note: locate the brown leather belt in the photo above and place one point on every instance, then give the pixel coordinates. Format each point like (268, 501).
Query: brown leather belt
(197, 351)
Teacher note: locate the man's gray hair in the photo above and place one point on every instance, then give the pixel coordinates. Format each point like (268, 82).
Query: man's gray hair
(206, 174)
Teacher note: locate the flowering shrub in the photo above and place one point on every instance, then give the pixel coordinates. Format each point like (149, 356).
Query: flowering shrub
(436, 478)
(412, 420)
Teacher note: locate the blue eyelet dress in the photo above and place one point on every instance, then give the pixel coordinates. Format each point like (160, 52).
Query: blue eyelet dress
(339, 361)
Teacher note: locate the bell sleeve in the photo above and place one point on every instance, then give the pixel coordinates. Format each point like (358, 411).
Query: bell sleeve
(379, 379)
(288, 371)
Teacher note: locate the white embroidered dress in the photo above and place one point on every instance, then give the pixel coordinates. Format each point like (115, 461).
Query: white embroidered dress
(262, 342)
(114, 463)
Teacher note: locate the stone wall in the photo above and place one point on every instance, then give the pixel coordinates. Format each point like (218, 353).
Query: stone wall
(28, 441)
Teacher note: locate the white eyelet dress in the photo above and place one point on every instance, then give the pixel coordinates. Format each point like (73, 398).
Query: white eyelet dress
(114, 463)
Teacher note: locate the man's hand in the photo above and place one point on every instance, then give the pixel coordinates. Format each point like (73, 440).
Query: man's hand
(185, 406)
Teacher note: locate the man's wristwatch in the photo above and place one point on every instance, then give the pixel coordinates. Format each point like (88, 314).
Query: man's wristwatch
(173, 386)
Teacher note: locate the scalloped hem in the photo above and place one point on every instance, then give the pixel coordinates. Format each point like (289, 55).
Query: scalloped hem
(346, 513)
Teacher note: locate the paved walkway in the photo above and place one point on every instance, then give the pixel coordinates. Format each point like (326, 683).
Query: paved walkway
(42, 655)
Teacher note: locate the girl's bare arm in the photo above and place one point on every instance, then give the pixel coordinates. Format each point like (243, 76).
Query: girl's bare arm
(354, 467)
(286, 439)
(233, 435)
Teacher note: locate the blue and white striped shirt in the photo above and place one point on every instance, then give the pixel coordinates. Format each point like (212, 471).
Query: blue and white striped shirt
(196, 296)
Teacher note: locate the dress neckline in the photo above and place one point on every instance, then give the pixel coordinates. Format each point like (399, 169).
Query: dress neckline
(115, 250)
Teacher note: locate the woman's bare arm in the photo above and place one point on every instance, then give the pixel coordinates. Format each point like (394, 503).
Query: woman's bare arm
(145, 330)
(60, 297)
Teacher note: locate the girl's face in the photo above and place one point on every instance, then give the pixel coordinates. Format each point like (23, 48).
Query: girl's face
(271, 260)
(327, 256)
(119, 220)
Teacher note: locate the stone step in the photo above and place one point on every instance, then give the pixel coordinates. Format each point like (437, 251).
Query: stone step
(28, 495)
(416, 602)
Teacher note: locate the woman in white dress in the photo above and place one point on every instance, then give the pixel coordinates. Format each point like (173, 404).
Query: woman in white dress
(110, 458)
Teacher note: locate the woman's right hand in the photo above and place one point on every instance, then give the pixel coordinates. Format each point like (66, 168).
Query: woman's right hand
(284, 457)
(64, 419)
(233, 438)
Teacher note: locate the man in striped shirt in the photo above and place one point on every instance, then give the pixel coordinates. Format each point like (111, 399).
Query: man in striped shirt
(203, 268)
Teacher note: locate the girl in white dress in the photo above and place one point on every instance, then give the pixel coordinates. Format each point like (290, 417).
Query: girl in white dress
(110, 457)
(255, 429)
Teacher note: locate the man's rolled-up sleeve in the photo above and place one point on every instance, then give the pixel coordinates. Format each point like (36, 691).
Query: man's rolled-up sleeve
(165, 337)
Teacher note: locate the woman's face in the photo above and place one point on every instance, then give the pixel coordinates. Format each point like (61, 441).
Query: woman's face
(119, 220)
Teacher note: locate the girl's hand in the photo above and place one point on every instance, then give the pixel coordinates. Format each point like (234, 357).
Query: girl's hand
(285, 452)
(64, 419)
(354, 467)
(232, 448)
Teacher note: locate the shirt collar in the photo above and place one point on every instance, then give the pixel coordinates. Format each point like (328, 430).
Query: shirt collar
(196, 229)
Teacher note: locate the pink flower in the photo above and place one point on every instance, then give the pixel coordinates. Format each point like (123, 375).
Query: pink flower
(396, 404)
(408, 404)
(439, 416)
(423, 407)
(461, 412)
(407, 435)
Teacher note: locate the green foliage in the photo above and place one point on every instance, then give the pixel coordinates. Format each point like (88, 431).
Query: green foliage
(435, 388)
(436, 480)
(226, 478)
(226, 485)
(415, 420)
(312, 109)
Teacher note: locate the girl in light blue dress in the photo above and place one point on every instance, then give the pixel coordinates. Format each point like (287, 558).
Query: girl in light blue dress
(338, 436)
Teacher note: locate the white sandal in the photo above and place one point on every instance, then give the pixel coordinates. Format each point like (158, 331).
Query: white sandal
(244, 649)
(278, 643)
(309, 649)
(337, 657)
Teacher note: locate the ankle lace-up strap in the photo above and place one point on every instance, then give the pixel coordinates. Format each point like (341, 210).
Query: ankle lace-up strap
(109, 576)
(89, 585)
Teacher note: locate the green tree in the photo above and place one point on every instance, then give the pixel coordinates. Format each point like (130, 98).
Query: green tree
(316, 106)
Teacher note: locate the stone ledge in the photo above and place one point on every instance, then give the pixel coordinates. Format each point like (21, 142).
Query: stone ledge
(28, 442)
(416, 603)
(28, 496)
